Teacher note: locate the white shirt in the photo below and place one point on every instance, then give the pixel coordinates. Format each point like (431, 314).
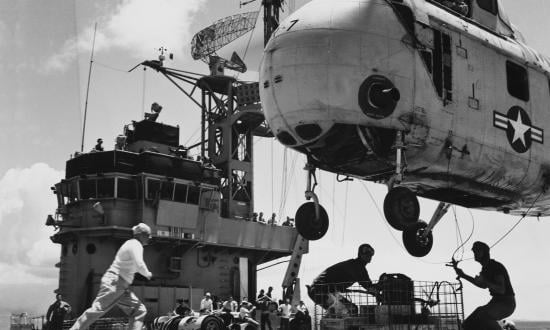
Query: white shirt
(285, 310)
(129, 260)
(206, 304)
(244, 312)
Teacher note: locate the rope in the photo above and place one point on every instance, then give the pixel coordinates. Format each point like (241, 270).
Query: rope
(345, 213)
(518, 222)
(283, 183)
(109, 67)
(272, 180)
(382, 217)
(143, 91)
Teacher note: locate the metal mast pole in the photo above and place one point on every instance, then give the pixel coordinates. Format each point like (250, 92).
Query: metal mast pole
(88, 91)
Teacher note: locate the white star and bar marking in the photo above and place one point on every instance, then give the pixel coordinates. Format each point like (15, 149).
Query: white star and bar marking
(501, 121)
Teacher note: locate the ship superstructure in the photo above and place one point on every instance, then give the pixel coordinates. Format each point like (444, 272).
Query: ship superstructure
(200, 211)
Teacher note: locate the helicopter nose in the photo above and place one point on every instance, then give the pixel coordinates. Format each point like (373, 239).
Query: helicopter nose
(328, 64)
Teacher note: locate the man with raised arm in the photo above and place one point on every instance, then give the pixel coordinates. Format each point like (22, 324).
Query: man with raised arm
(115, 283)
(494, 277)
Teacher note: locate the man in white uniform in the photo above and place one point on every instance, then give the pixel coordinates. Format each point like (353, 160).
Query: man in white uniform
(207, 305)
(116, 281)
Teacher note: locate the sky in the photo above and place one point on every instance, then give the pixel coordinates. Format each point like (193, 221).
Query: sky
(44, 62)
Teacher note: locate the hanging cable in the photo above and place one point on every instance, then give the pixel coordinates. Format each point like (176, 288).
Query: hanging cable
(143, 92)
(291, 173)
(272, 180)
(110, 67)
(283, 183)
(518, 222)
(382, 217)
(345, 213)
(275, 264)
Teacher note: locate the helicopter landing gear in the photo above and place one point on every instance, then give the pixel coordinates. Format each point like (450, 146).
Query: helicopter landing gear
(311, 218)
(418, 238)
(401, 208)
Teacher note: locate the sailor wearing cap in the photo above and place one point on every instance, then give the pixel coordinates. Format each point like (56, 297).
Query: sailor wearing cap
(206, 304)
(99, 146)
(116, 281)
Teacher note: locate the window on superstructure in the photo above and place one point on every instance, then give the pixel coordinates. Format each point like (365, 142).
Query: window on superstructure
(106, 188)
(518, 81)
(126, 188)
(87, 189)
(167, 190)
(193, 195)
(180, 193)
(488, 5)
(153, 188)
(69, 191)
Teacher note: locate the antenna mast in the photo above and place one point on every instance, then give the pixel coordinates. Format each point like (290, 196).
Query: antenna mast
(88, 91)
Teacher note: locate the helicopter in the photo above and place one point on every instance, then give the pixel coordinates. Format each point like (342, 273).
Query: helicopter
(432, 101)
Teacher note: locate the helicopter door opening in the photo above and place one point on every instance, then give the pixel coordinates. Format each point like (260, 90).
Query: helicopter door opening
(439, 64)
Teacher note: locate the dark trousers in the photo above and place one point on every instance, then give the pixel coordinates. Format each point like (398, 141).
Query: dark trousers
(285, 322)
(264, 319)
(55, 324)
(486, 317)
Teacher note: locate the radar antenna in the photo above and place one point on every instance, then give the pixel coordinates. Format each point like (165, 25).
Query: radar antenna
(210, 39)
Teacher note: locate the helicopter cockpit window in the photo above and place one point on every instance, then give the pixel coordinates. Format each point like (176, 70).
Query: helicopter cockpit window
(488, 5)
(518, 81)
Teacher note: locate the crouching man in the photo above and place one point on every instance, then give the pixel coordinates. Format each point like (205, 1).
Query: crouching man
(326, 288)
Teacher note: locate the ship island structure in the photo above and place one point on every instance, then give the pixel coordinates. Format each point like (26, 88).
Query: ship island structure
(200, 212)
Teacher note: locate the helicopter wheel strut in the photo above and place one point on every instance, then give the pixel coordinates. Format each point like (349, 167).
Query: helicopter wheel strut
(401, 208)
(416, 241)
(311, 218)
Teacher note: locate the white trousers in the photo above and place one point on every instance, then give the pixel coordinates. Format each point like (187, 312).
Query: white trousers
(113, 292)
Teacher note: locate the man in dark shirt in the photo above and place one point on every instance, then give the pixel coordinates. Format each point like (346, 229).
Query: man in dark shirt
(337, 278)
(183, 307)
(99, 146)
(494, 277)
(264, 300)
(56, 313)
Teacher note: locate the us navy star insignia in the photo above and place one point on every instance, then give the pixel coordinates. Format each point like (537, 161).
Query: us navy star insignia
(519, 131)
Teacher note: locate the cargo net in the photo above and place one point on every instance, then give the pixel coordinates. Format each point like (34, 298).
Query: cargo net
(396, 303)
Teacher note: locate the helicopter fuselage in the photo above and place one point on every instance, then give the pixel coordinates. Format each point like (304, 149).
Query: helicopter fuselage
(347, 82)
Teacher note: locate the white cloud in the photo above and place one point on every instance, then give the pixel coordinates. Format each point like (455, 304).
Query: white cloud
(26, 252)
(137, 27)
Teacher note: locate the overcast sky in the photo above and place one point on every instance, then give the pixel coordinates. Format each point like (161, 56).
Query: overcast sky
(44, 57)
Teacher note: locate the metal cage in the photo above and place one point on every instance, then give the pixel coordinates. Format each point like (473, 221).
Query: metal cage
(396, 302)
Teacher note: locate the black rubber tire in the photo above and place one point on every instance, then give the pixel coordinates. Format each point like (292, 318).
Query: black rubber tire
(401, 208)
(414, 244)
(306, 223)
(212, 323)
